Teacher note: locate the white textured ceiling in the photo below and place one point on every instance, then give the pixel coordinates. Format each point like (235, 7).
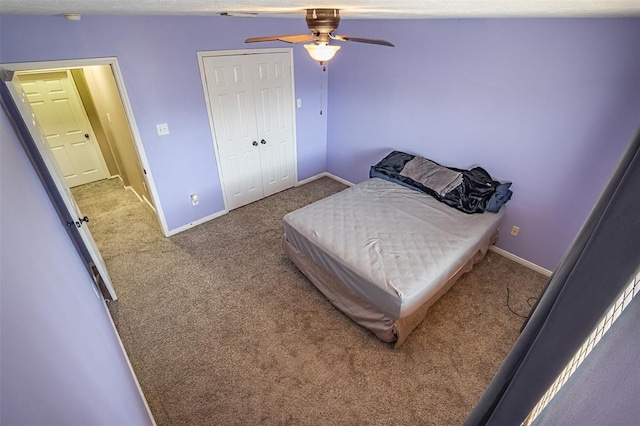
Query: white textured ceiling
(382, 9)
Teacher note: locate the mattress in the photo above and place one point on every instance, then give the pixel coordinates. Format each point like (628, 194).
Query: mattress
(391, 246)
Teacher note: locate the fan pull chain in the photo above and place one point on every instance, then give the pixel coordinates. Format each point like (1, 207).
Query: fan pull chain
(321, 98)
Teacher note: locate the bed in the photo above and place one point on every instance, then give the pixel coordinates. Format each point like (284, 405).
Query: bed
(383, 253)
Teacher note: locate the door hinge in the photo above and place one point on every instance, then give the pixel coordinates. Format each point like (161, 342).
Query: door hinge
(78, 223)
(145, 171)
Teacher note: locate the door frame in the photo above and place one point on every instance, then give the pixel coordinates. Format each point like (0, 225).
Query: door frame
(82, 107)
(44, 163)
(237, 52)
(59, 65)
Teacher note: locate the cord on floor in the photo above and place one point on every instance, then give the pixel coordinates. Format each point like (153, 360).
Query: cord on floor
(528, 303)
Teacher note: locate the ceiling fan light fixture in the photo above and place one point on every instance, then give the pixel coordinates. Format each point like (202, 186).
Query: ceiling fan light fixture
(321, 52)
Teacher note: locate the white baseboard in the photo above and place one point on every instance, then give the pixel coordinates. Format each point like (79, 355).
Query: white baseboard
(130, 188)
(310, 179)
(149, 204)
(339, 179)
(521, 261)
(325, 174)
(197, 222)
(142, 199)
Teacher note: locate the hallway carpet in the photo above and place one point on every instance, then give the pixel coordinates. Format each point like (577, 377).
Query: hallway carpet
(222, 329)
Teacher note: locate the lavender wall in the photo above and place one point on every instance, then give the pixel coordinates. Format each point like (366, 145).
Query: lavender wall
(549, 104)
(60, 359)
(157, 56)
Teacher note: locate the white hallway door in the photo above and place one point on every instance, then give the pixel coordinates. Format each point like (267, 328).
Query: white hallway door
(250, 98)
(57, 106)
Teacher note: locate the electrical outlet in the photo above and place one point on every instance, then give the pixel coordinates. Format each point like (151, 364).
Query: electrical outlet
(194, 199)
(515, 230)
(163, 129)
(299, 103)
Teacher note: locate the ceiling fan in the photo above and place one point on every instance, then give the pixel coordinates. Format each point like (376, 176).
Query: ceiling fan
(322, 23)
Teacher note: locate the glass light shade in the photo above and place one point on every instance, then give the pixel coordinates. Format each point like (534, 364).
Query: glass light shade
(321, 52)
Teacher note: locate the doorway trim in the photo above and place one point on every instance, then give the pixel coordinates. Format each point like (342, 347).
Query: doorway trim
(236, 52)
(12, 68)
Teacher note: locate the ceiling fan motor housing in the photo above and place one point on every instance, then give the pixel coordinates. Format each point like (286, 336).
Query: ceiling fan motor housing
(323, 22)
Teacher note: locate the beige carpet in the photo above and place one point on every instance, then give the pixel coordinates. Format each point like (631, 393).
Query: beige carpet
(222, 329)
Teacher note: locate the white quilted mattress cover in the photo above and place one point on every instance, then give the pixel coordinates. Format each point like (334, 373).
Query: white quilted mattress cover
(393, 246)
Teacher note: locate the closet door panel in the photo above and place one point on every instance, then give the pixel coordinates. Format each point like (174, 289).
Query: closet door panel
(274, 112)
(231, 98)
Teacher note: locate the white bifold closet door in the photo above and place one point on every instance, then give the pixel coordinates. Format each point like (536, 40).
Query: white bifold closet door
(250, 98)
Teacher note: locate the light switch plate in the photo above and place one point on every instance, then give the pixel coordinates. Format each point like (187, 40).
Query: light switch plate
(163, 129)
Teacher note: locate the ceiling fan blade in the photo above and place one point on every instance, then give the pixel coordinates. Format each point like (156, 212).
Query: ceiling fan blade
(362, 40)
(292, 38)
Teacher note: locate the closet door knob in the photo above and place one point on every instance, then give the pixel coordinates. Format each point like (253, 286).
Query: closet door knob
(254, 143)
(263, 142)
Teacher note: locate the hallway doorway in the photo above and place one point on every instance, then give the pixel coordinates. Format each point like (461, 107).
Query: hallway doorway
(101, 87)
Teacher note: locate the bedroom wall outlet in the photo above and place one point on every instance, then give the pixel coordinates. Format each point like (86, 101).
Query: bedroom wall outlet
(194, 199)
(515, 230)
(163, 129)
(299, 103)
